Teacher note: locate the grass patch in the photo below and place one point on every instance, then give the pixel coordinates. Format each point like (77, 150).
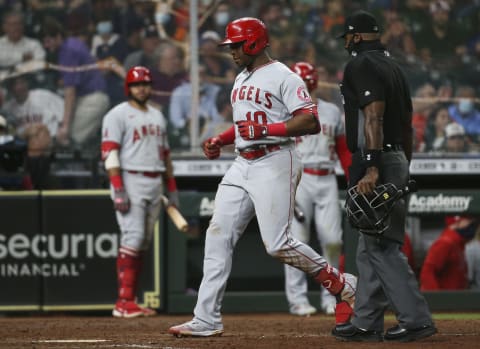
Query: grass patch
(456, 316)
(446, 316)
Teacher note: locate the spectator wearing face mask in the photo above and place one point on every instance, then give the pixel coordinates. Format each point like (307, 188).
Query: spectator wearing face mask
(108, 44)
(445, 266)
(221, 17)
(465, 112)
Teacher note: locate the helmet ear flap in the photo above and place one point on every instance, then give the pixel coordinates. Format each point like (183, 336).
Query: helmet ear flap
(249, 47)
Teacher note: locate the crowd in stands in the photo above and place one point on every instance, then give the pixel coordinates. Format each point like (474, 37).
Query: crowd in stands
(437, 41)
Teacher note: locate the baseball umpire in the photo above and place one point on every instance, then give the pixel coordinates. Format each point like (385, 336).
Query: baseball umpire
(378, 113)
(137, 159)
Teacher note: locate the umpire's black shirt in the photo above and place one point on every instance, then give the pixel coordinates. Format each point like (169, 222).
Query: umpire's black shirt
(372, 75)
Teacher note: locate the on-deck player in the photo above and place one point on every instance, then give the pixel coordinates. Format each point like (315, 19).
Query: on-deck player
(137, 159)
(270, 106)
(317, 195)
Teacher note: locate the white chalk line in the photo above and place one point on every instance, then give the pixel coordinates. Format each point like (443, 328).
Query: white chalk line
(71, 341)
(116, 345)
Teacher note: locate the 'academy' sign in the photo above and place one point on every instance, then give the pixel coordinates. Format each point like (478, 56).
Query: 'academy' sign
(439, 203)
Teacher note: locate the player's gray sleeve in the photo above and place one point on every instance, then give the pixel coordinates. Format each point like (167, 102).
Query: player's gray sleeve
(340, 128)
(113, 126)
(291, 90)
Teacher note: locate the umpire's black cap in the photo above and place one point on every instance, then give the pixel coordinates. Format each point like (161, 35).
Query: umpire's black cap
(360, 22)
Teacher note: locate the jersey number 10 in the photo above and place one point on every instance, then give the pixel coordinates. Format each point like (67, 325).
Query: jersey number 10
(259, 114)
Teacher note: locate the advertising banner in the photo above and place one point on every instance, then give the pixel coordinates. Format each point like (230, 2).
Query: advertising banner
(64, 253)
(21, 289)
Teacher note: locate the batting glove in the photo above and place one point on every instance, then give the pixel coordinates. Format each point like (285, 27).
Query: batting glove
(251, 130)
(173, 198)
(121, 202)
(211, 148)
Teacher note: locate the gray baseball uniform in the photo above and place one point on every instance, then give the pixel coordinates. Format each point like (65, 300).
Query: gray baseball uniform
(142, 139)
(264, 187)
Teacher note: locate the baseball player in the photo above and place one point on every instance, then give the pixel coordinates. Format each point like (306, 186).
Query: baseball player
(317, 195)
(137, 159)
(270, 106)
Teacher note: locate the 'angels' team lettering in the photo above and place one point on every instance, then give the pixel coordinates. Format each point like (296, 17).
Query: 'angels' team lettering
(252, 93)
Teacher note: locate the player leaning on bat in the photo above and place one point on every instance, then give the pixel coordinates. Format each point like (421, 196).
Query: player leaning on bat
(137, 159)
(271, 105)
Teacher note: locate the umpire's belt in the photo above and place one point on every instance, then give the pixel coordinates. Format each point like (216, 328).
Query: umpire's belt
(319, 171)
(257, 151)
(147, 174)
(392, 147)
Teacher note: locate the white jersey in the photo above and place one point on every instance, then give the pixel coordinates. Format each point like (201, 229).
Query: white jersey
(142, 136)
(12, 53)
(269, 94)
(318, 150)
(41, 107)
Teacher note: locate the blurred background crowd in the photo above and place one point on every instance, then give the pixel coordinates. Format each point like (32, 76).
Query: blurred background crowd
(62, 65)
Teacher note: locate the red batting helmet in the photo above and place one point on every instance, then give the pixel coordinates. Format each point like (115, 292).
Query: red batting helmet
(308, 74)
(137, 74)
(251, 31)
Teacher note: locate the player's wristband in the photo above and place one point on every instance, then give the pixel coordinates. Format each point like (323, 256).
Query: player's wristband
(227, 137)
(371, 157)
(278, 129)
(116, 181)
(171, 184)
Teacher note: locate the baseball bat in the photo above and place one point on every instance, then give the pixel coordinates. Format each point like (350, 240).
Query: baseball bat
(175, 215)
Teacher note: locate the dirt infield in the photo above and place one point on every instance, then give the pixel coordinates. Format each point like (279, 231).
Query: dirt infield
(242, 331)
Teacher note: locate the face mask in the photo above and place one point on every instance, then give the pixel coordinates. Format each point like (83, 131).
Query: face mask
(469, 231)
(221, 18)
(465, 106)
(162, 17)
(104, 27)
(351, 48)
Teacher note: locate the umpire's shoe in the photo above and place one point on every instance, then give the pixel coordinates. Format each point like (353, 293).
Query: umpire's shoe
(351, 333)
(400, 334)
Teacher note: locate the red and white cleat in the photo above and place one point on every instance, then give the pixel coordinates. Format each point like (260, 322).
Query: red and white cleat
(130, 309)
(194, 328)
(344, 309)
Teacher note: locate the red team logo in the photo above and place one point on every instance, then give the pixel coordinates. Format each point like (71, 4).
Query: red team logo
(303, 94)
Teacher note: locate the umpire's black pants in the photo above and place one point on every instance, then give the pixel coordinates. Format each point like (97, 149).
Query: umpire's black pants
(385, 278)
